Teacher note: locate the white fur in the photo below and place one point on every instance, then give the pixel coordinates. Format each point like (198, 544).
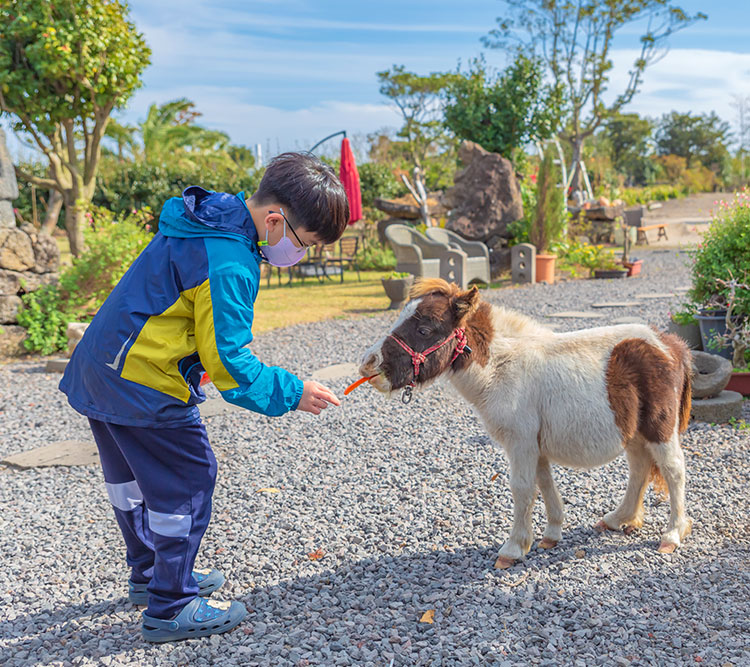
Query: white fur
(543, 398)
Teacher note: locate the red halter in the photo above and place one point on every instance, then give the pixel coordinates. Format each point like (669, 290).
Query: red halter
(418, 358)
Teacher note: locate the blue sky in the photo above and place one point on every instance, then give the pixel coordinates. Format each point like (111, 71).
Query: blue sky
(285, 73)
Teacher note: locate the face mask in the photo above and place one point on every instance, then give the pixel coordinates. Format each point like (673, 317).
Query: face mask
(284, 253)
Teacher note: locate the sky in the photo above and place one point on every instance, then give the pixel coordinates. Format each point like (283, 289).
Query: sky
(286, 73)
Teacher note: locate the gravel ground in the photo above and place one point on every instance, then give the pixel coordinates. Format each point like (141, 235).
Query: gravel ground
(408, 505)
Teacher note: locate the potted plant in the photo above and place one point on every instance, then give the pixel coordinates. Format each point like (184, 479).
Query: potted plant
(397, 285)
(632, 264)
(548, 221)
(684, 324)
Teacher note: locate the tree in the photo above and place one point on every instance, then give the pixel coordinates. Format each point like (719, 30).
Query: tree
(64, 66)
(502, 113)
(575, 39)
(420, 101)
(629, 138)
(699, 138)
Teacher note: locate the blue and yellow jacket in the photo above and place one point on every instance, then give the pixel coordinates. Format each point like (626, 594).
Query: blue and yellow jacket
(185, 305)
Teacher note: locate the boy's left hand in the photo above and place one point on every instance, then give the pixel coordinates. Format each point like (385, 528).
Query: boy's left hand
(316, 397)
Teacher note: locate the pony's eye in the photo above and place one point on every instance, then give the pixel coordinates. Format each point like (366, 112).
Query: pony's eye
(423, 331)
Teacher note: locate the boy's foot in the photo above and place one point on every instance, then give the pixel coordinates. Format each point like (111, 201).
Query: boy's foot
(208, 581)
(199, 618)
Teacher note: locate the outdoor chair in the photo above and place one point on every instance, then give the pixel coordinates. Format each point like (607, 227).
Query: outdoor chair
(477, 253)
(347, 256)
(425, 258)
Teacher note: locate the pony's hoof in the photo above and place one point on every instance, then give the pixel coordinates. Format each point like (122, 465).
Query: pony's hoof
(667, 547)
(602, 527)
(629, 530)
(503, 562)
(547, 543)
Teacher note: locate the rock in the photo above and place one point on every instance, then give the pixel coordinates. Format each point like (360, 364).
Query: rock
(8, 183)
(9, 307)
(11, 340)
(712, 374)
(56, 365)
(396, 209)
(46, 254)
(16, 251)
(7, 216)
(719, 409)
(75, 332)
(23, 282)
(485, 197)
(64, 453)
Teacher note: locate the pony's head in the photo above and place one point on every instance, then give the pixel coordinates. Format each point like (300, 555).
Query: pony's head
(426, 339)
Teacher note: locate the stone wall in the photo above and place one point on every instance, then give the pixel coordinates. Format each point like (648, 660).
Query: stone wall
(28, 259)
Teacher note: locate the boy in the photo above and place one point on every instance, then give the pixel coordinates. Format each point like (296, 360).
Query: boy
(185, 306)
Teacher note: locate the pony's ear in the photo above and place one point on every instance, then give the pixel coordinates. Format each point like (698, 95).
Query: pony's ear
(465, 303)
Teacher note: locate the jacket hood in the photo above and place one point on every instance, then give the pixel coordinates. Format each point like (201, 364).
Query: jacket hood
(202, 213)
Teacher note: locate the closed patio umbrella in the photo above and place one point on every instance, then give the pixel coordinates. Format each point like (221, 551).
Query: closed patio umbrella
(350, 180)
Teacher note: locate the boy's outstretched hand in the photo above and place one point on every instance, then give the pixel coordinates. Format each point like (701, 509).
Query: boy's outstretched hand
(316, 397)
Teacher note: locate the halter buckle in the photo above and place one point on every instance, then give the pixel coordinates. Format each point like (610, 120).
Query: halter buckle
(406, 395)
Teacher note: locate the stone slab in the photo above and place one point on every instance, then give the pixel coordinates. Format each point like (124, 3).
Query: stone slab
(682, 289)
(579, 314)
(217, 406)
(56, 365)
(656, 295)
(63, 453)
(628, 320)
(336, 372)
(719, 409)
(616, 304)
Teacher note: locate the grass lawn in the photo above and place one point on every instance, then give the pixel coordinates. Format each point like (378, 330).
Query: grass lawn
(283, 305)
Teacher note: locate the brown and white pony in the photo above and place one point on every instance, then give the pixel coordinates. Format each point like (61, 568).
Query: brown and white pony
(576, 399)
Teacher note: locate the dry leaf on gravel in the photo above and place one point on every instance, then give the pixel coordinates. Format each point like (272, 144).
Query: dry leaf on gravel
(580, 553)
(428, 616)
(316, 555)
(269, 489)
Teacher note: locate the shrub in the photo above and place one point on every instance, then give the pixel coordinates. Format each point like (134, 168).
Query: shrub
(378, 180)
(592, 257)
(375, 257)
(549, 217)
(724, 252)
(112, 244)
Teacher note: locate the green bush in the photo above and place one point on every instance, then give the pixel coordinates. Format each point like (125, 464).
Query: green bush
(377, 180)
(574, 255)
(724, 252)
(374, 257)
(112, 244)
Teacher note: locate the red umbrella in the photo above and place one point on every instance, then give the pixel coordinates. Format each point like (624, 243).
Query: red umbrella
(350, 180)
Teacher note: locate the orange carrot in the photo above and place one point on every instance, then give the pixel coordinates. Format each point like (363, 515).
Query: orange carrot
(356, 384)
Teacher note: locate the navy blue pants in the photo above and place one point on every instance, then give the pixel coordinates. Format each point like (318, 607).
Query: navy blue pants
(160, 482)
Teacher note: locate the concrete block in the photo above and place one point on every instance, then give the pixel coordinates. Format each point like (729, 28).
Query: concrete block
(718, 410)
(56, 365)
(523, 263)
(64, 453)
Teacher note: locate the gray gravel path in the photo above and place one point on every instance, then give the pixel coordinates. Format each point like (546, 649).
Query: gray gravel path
(409, 506)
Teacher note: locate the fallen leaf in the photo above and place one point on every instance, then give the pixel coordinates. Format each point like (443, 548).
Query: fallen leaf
(494, 477)
(316, 555)
(428, 617)
(580, 553)
(269, 489)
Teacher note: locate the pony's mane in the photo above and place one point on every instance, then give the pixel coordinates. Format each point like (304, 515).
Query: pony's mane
(425, 286)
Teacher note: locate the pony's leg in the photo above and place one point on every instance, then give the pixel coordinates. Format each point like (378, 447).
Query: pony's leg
(671, 461)
(629, 515)
(552, 503)
(523, 465)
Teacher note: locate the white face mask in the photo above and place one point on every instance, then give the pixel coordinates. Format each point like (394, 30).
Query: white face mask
(284, 253)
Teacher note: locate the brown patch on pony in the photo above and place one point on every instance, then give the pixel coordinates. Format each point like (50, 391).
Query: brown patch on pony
(479, 333)
(646, 389)
(680, 352)
(425, 286)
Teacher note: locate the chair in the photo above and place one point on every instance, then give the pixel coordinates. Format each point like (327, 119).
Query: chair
(348, 247)
(425, 258)
(477, 253)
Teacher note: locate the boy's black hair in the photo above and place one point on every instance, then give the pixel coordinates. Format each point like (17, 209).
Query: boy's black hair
(310, 191)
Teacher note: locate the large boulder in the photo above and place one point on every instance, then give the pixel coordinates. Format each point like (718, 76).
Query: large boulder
(16, 251)
(46, 251)
(485, 197)
(8, 185)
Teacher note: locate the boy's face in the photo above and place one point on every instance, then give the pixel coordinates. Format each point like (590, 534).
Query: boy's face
(275, 222)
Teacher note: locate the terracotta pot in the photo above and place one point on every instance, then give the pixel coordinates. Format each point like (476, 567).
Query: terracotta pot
(545, 268)
(634, 267)
(739, 381)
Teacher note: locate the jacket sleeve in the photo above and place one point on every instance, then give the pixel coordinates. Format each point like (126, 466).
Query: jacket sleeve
(223, 311)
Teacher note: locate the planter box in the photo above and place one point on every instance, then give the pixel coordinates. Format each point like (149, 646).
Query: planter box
(610, 273)
(739, 381)
(690, 333)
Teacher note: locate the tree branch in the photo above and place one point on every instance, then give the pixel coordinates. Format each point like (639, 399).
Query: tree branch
(46, 183)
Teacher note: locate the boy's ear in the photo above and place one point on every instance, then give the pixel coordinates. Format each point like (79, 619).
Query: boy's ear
(272, 220)
(465, 303)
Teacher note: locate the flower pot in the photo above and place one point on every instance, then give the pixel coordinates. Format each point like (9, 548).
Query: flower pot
(739, 381)
(712, 324)
(610, 273)
(634, 267)
(545, 268)
(690, 333)
(397, 290)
